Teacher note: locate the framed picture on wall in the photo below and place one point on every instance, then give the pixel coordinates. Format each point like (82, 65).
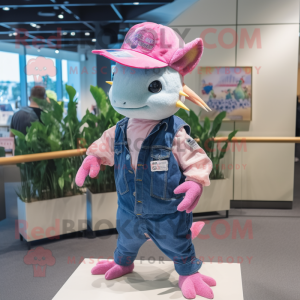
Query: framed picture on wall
(227, 89)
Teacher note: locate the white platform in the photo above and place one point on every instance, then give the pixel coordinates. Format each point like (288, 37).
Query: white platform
(148, 281)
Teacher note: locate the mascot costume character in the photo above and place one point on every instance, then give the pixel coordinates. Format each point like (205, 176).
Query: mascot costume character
(160, 171)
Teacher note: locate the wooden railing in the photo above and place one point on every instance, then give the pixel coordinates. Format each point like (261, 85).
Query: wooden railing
(40, 156)
(258, 139)
(78, 152)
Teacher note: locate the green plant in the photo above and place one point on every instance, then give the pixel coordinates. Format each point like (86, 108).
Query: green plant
(2, 152)
(205, 133)
(50, 179)
(97, 124)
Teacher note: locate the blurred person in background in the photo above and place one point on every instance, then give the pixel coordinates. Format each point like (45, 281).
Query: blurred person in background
(51, 95)
(26, 115)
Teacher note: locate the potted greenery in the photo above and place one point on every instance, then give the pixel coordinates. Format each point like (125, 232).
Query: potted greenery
(2, 152)
(217, 196)
(101, 191)
(49, 202)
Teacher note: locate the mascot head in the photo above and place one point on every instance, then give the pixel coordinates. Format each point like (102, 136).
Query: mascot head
(148, 77)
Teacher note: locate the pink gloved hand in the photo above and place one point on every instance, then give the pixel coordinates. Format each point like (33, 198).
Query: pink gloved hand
(196, 284)
(90, 166)
(193, 191)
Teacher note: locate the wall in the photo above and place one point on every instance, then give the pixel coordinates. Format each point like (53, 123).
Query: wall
(298, 80)
(88, 77)
(266, 170)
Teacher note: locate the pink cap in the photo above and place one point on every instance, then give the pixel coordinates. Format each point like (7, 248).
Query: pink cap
(149, 45)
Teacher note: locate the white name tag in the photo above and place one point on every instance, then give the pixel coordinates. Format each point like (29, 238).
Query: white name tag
(159, 165)
(192, 143)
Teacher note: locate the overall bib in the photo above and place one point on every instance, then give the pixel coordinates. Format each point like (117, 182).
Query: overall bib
(147, 203)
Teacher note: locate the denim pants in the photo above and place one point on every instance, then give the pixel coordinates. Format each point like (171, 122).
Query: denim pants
(170, 232)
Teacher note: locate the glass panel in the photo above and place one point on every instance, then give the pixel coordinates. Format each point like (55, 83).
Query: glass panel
(41, 71)
(10, 90)
(70, 76)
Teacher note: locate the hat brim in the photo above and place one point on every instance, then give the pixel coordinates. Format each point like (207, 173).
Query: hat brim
(131, 58)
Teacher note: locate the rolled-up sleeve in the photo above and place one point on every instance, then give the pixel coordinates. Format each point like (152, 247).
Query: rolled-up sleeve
(192, 159)
(104, 147)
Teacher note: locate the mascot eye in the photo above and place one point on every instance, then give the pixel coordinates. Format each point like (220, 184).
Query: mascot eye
(155, 86)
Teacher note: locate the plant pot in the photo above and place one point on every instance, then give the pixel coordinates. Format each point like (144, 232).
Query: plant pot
(101, 210)
(54, 217)
(215, 197)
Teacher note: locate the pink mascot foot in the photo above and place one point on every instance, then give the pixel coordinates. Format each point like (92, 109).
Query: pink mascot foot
(196, 284)
(111, 269)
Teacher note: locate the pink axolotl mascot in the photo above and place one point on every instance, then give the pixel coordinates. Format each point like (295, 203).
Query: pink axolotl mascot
(160, 171)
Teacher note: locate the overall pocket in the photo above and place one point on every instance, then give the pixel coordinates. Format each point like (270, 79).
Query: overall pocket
(120, 179)
(159, 166)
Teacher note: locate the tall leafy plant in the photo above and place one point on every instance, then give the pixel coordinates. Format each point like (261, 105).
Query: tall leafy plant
(97, 124)
(2, 152)
(204, 135)
(50, 179)
(72, 134)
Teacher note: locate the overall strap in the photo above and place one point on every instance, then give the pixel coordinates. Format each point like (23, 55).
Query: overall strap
(173, 125)
(120, 132)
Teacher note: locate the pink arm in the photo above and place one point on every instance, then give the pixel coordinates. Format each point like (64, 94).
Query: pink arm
(192, 192)
(104, 147)
(196, 167)
(90, 166)
(100, 152)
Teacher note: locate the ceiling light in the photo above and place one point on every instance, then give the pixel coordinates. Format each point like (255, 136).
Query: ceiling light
(87, 33)
(73, 33)
(136, 3)
(14, 33)
(56, 51)
(33, 24)
(94, 40)
(60, 16)
(10, 34)
(38, 26)
(65, 33)
(6, 8)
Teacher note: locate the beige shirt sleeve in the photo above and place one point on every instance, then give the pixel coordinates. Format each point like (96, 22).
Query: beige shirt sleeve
(104, 147)
(192, 159)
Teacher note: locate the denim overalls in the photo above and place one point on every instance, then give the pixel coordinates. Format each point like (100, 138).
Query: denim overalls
(146, 200)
